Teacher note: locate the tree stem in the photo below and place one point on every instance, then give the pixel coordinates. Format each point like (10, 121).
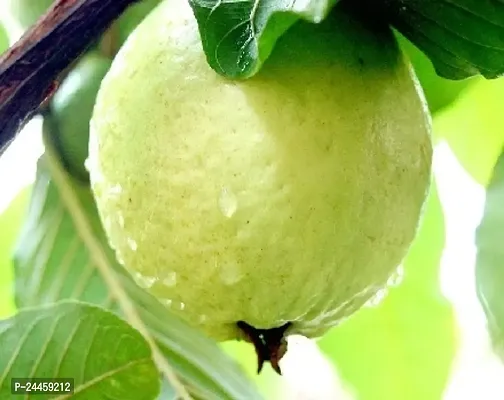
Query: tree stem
(29, 70)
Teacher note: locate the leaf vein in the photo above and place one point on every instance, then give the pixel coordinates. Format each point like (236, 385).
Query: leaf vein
(45, 345)
(17, 351)
(454, 32)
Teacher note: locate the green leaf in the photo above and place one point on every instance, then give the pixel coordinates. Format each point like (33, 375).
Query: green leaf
(473, 126)
(404, 347)
(239, 35)
(490, 257)
(105, 356)
(462, 37)
(63, 254)
(439, 92)
(10, 220)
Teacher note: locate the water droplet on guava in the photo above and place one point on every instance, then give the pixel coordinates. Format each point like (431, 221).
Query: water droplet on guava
(145, 282)
(120, 259)
(230, 273)
(167, 302)
(227, 202)
(115, 190)
(107, 223)
(376, 299)
(120, 219)
(170, 279)
(396, 278)
(132, 244)
(181, 306)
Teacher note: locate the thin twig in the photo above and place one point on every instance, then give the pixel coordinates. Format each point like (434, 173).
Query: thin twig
(29, 70)
(102, 262)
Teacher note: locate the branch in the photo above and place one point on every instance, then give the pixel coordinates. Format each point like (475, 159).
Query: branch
(29, 70)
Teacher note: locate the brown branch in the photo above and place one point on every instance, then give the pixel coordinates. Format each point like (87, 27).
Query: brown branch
(29, 70)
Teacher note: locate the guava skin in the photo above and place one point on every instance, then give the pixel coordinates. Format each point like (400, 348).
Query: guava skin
(290, 197)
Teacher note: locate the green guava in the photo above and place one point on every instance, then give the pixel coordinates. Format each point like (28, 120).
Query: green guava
(133, 15)
(71, 109)
(26, 12)
(263, 207)
(4, 40)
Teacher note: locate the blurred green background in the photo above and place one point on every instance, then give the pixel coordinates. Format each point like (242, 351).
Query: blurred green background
(426, 339)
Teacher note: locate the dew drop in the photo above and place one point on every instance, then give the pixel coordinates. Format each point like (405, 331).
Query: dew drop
(181, 306)
(145, 282)
(120, 219)
(167, 302)
(132, 244)
(107, 223)
(171, 279)
(120, 259)
(230, 273)
(377, 298)
(115, 190)
(396, 278)
(227, 202)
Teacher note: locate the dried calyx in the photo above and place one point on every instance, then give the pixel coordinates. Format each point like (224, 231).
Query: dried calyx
(270, 344)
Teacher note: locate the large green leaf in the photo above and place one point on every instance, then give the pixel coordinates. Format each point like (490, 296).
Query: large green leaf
(403, 348)
(105, 356)
(473, 126)
(490, 257)
(439, 92)
(462, 37)
(63, 254)
(239, 35)
(10, 223)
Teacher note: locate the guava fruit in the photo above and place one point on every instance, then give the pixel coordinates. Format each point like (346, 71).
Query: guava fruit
(4, 40)
(71, 109)
(263, 207)
(26, 12)
(133, 15)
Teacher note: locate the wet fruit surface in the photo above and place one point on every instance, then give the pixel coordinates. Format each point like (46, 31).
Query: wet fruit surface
(288, 198)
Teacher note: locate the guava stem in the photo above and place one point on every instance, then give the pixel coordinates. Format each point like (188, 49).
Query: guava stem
(30, 68)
